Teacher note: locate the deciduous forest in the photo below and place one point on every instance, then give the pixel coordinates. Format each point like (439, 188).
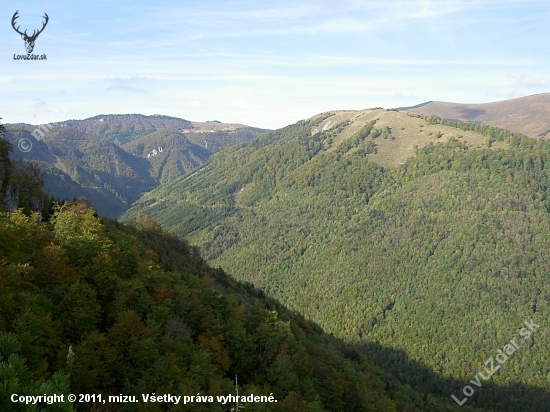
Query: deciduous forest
(89, 305)
(437, 261)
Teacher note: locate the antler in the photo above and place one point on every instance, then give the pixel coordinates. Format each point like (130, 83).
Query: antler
(15, 16)
(43, 26)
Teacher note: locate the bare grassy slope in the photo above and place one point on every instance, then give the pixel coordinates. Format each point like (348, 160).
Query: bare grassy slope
(529, 115)
(407, 133)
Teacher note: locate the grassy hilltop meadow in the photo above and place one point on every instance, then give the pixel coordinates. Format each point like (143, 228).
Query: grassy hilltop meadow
(367, 260)
(528, 115)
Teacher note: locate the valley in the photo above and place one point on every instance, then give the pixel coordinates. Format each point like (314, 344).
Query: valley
(113, 159)
(417, 241)
(390, 231)
(275, 206)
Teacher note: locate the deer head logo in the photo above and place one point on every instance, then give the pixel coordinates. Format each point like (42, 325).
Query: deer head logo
(29, 40)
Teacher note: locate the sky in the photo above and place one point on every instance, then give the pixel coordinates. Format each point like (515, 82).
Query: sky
(267, 63)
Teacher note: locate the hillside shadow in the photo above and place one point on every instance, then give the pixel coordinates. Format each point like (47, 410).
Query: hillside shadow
(489, 396)
(401, 370)
(469, 114)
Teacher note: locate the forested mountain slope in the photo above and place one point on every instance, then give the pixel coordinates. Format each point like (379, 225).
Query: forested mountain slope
(433, 259)
(78, 165)
(90, 306)
(88, 158)
(98, 309)
(126, 128)
(173, 153)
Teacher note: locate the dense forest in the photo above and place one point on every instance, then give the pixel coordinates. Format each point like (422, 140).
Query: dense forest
(438, 261)
(112, 160)
(92, 306)
(127, 127)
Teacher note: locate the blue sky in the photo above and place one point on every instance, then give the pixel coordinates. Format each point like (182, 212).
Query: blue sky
(268, 63)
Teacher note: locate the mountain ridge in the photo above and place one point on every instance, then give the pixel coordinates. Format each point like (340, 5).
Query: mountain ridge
(418, 240)
(113, 159)
(529, 115)
(379, 225)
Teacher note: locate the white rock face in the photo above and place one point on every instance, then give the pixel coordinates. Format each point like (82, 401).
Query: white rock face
(155, 152)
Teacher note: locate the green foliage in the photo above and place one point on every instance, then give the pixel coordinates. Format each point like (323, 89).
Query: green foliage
(14, 379)
(126, 128)
(74, 165)
(80, 234)
(107, 161)
(90, 306)
(356, 139)
(21, 183)
(5, 164)
(454, 237)
(494, 133)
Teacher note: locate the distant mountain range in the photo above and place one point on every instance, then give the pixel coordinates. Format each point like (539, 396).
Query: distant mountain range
(529, 115)
(113, 159)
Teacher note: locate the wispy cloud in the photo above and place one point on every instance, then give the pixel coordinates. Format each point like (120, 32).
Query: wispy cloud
(504, 93)
(130, 84)
(38, 103)
(400, 95)
(266, 63)
(530, 80)
(315, 17)
(343, 61)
